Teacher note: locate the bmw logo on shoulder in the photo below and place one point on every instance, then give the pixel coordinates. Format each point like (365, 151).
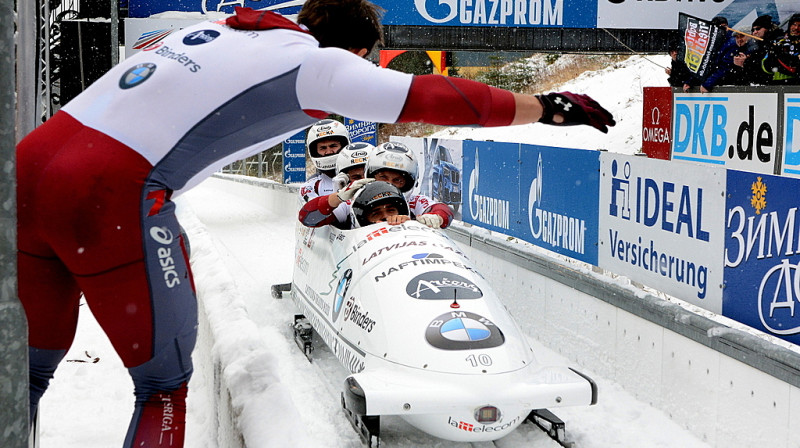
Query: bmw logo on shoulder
(341, 290)
(200, 37)
(136, 75)
(462, 330)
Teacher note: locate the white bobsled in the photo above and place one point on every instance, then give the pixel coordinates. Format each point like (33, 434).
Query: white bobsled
(422, 333)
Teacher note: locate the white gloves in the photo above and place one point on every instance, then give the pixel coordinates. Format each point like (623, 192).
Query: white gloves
(340, 181)
(431, 220)
(347, 193)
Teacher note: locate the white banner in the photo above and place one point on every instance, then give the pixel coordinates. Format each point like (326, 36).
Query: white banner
(734, 130)
(662, 224)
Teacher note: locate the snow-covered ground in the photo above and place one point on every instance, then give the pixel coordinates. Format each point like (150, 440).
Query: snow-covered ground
(240, 248)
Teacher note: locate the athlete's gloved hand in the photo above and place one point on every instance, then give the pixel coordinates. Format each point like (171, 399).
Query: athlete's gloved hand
(340, 181)
(576, 109)
(347, 193)
(431, 220)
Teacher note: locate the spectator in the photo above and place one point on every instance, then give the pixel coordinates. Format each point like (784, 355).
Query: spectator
(731, 71)
(677, 72)
(765, 32)
(783, 55)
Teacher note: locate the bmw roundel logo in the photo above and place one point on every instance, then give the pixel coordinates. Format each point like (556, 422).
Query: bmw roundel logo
(136, 75)
(462, 330)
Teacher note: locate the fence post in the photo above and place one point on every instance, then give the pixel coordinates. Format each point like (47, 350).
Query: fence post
(13, 327)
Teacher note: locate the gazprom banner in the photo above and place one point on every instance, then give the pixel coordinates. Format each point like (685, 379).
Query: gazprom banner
(294, 158)
(762, 257)
(737, 131)
(559, 190)
(513, 13)
(491, 172)
(525, 191)
(660, 225)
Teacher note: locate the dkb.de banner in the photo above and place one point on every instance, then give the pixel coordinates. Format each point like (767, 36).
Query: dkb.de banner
(762, 285)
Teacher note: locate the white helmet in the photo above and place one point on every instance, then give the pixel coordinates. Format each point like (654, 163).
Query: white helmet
(353, 155)
(393, 156)
(325, 130)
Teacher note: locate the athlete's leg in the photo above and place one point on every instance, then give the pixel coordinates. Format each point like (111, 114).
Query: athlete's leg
(50, 298)
(149, 311)
(46, 289)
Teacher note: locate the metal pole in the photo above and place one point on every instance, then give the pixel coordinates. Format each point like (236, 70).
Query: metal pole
(13, 326)
(114, 32)
(27, 76)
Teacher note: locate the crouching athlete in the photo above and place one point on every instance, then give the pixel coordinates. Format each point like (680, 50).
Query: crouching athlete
(95, 182)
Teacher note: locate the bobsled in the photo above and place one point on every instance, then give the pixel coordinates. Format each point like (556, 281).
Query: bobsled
(422, 335)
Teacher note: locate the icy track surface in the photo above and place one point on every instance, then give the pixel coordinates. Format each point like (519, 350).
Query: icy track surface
(239, 249)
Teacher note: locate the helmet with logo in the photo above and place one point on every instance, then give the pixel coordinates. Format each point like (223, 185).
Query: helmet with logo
(325, 130)
(353, 155)
(393, 156)
(372, 195)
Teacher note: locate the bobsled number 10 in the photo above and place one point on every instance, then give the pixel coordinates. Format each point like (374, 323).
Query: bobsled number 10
(422, 334)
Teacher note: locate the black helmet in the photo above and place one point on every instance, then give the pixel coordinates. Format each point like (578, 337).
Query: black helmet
(372, 195)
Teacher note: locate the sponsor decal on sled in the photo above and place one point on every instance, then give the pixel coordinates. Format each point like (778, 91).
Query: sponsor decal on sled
(441, 285)
(462, 330)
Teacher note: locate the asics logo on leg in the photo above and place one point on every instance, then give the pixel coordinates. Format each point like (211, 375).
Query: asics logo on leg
(163, 236)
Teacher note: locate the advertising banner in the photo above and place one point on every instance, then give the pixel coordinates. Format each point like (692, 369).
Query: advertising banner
(734, 130)
(762, 258)
(146, 8)
(493, 13)
(141, 33)
(492, 173)
(657, 122)
(439, 169)
(790, 165)
(661, 225)
(294, 158)
(559, 193)
(362, 131)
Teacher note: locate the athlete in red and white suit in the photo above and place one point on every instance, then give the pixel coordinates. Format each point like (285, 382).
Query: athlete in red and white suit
(95, 182)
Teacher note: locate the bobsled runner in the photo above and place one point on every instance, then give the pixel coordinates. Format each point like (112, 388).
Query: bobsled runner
(423, 336)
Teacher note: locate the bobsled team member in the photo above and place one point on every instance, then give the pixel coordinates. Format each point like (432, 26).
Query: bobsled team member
(351, 163)
(141, 134)
(379, 202)
(394, 163)
(324, 140)
(334, 208)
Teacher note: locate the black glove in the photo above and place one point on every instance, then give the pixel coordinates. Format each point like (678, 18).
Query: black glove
(576, 109)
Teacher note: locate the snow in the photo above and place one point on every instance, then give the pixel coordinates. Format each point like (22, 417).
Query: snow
(240, 248)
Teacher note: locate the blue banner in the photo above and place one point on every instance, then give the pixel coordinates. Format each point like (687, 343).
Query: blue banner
(146, 8)
(362, 131)
(494, 13)
(762, 257)
(559, 192)
(491, 172)
(294, 158)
